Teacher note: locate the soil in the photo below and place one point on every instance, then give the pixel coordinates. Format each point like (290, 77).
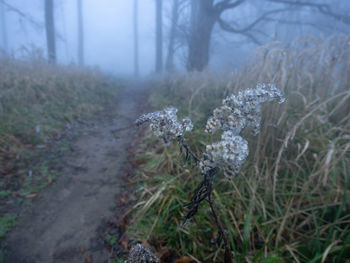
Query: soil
(61, 225)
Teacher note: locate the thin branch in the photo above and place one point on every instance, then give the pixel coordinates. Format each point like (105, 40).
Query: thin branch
(228, 257)
(184, 144)
(252, 38)
(227, 4)
(23, 15)
(322, 8)
(227, 27)
(36, 24)
(291, 22)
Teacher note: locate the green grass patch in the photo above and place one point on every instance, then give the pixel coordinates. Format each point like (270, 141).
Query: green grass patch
(6, 224)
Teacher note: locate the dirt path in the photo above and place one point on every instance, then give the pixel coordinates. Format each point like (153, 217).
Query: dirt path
(61, 224)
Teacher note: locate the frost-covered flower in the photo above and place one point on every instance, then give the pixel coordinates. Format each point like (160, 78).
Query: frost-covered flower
(165, 125)
(140, 254)
(227, 119)
(228, 154)
(243, 109)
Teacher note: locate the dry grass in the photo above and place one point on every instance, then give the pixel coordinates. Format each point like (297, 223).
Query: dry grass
(38, 102)
(291, 200)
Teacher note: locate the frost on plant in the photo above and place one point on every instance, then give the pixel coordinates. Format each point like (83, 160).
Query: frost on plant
(164, 124)
(140, 254)
(243, 109)
(237, 112)
(228, 154)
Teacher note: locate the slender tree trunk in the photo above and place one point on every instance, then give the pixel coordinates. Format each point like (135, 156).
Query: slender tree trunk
(3, 27)
(159, 37)
(174, 18)
(199, 41)
(50, 31)
(136, 39)
(80, 34)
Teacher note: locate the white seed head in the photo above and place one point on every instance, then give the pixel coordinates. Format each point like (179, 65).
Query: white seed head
(140, 254)
(164, 124)
(243, 109)
(228, 154)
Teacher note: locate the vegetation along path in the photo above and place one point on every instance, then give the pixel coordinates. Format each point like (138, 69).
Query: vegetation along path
(61, 224)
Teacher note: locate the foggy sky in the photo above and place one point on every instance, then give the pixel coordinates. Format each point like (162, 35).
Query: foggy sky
(108, 32)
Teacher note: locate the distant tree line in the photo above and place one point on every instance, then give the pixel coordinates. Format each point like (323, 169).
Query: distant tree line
(192, 25)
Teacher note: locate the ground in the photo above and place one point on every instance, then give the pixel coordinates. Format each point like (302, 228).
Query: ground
(61, 224)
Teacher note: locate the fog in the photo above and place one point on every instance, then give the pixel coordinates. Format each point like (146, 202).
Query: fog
(109, 37)
(108, 34)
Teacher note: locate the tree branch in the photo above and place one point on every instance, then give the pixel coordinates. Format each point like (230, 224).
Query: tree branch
(23, 15)
(227, 4)
(322, 8)
(36, 24)
(291, 22)
(227, 27)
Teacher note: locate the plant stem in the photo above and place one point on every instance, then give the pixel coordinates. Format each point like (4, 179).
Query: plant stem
(184, 144)
(228, 257)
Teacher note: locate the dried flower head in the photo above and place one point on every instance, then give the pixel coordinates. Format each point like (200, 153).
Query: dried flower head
(164, 124)
(228, 154)
(243, 109)
(140, 254)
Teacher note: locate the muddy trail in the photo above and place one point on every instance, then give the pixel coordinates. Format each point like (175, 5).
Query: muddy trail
(61, 224)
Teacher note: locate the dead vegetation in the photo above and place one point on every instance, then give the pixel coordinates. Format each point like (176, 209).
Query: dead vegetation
(291, 200)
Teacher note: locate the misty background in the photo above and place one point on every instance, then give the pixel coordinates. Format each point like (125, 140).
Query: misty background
(108, 26)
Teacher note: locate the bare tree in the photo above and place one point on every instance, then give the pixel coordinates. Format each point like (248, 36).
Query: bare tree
(136, 39)
(206, 13)
(50, 31)
(3, 26)
(169, 64)
(80, 33)
(159, 37)
(203, 18)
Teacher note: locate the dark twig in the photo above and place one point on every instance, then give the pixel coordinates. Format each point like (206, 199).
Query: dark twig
(204, 192)
(228, 257)
(189, 152)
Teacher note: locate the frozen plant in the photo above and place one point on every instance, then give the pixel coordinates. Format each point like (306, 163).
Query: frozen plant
(140, 254)
(243, 109)
(237, 112)
(228, 154)
(164, 124)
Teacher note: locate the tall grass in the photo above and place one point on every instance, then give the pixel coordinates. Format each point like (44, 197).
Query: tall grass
(290, 202)
(38, 101)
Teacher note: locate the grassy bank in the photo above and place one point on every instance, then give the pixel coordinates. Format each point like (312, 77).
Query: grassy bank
(290, 202)
(38, 104)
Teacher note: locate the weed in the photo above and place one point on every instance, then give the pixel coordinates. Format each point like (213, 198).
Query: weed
(291, 203)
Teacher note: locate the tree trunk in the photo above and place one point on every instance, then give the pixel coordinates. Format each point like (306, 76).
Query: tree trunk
(159, 37)
(80, 34)
(174, 18)
(50, 31)
(203, 20)
(136, 39)
(3, 27)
